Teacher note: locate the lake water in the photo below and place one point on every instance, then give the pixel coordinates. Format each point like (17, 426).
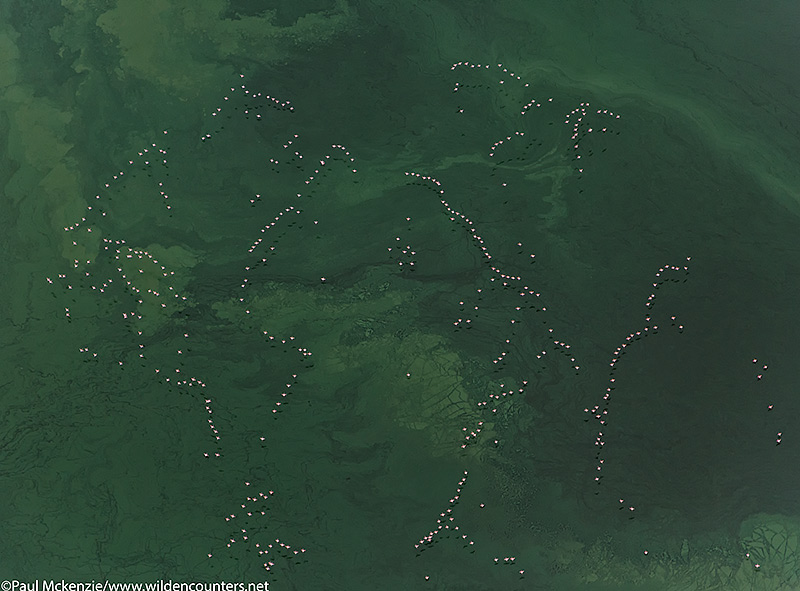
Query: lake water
(365, 295)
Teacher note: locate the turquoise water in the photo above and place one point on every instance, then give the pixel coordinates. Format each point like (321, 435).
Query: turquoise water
(380, 296)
